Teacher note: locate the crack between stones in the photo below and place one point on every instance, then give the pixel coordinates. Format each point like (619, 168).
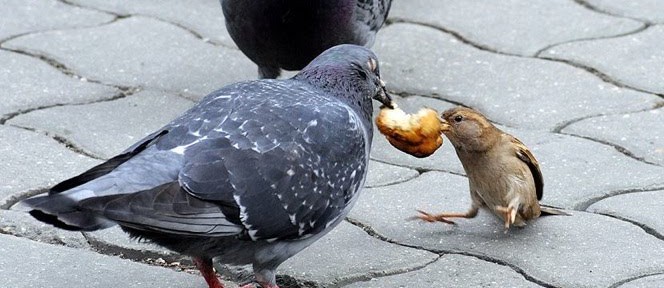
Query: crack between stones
(181, 26)
(593, 8)
(583, 206)
(601, 75)
(419, 170)
(372, 275)
(61, 140)
(649, 230)
(374, 233)
(635, 31)
(625, 281)
(618, 148)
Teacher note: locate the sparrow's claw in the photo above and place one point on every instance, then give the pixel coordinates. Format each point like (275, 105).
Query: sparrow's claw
(509, 215)
(424, 216)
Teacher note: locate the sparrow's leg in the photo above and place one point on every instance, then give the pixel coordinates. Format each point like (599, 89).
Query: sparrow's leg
(424, 216)
(205, 266)
(509, 214)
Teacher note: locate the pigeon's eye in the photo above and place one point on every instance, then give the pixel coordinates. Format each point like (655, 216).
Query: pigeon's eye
(458, 118)
(372, 64)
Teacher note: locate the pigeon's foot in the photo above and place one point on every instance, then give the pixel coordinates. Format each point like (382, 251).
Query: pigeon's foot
(205, 266)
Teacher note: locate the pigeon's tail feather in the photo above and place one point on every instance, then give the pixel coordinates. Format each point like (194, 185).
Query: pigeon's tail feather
(550, 211)
(63, 212)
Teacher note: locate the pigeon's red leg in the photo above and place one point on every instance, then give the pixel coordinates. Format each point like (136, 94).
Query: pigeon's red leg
(205, 266)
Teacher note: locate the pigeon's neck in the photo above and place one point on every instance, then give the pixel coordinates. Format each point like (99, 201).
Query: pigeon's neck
(355, 96)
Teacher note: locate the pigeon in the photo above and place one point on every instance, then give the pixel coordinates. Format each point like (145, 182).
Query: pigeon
(252, 174)
(287, 34)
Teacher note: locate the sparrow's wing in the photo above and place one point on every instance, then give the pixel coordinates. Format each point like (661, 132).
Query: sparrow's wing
(526, 156)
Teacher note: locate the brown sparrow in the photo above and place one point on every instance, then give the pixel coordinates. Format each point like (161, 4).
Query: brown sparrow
(503, 174)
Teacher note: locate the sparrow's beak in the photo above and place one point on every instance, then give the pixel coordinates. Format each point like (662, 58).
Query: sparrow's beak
(444, 125)
(383, 97)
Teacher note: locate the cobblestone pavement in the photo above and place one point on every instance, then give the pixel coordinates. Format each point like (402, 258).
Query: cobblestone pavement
(581, 82)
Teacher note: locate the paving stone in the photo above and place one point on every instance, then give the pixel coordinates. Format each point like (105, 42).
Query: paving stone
(141, 51)
(523, 26)
(203, 16)
(27, 83)
(381, 174)
(648, 10)
(24, 16)
(514, 91)
(108, 127)
(452, 271)
(21, 224)
(31, 161)
(348, 253)
(642, 207)
(654, 281)
(114, 241)
(636, 59)
(563, 251)
(640, 133)
(443, 159)
(45, 265)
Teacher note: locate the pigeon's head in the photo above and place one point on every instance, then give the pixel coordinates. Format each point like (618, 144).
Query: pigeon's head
(350, 72)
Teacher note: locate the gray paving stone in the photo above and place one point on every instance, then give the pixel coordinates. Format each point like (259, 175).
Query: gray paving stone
(31, 161)
(523, 26)
(636, 60)
(641, 133)
(514, 91)
(348, 253)
(648, 10)
(21, 224)
(203, 16)
(25, 263)
(563, 251)
(107, 128)
(641, 207)
(452, 271)
(654, 281)
(24, 16)
(28, 83)
(141, 51)
(381, 174)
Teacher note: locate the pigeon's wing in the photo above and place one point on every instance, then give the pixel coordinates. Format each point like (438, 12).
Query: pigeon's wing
(291, 169)
(166, 208)
(108, 166)
(370, 16)
(527, 157)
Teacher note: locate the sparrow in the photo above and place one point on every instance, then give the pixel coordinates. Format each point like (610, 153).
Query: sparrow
(416, 134)
(503, 174)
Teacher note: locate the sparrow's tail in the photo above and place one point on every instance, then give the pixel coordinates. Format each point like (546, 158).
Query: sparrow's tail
(549, 211)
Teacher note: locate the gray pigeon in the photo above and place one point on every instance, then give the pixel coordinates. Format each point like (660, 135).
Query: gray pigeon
(287, 34)
(253, 174)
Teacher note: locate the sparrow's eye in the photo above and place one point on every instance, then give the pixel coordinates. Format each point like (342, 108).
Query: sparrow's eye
(458, 118)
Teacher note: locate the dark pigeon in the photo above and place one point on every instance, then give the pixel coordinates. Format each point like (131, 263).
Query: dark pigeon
(253, 174)
(287, 34)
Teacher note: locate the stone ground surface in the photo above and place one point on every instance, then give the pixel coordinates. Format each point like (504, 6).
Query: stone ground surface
(578, 81)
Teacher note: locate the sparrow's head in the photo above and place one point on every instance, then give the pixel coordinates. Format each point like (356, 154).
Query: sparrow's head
(468, 130)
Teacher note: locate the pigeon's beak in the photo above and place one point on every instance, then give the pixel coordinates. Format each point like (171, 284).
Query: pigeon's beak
(383, 97)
